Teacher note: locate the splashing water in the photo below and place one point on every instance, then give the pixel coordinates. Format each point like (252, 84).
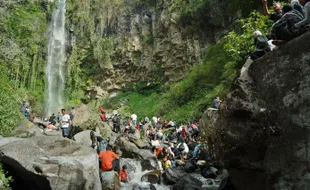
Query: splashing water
(135, 173)
(56, 59)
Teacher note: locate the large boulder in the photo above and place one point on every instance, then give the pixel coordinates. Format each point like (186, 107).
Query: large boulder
(152, 177)
(130, 150)
(187, 182)
(110, 180)
(263, 126)
(27, 129)
(84, 138)
(137, 141)
(50, 163)
(150, 163)
(85, 118)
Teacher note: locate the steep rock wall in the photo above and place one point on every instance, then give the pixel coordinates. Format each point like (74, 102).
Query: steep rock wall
(136, 43)
(263, 125)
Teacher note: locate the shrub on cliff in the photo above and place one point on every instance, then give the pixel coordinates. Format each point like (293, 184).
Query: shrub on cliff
(9, 107)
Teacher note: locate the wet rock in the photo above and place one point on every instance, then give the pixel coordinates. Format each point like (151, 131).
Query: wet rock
(109, 180)
(153, 177)
(172, 176)
(49, 163)
(187, 182)
(133, 165)
(149, 163)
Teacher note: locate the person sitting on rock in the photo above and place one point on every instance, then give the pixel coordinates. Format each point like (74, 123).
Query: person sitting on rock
(159, 133)
(261, 45)
(155, 143)
(285, 29)
(183, 149)
(123, 174)
(216, 103)
(109, 160)
(52, 119)
(166, 163)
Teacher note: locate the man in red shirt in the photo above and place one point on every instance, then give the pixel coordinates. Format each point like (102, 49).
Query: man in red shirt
(109, 160)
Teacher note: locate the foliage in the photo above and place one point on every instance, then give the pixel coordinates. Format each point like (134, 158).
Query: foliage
(185, 99)
(9, 107)
(205, 14)
(23, 47)
(6, 180)
(240, 44)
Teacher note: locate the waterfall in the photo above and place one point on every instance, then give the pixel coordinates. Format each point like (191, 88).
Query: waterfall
(56, 59)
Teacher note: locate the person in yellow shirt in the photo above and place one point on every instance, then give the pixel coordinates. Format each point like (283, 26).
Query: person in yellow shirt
(166, 163)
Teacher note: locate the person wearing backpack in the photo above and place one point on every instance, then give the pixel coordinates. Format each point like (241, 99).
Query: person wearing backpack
(183, 149)
(285, 29)
(116, 124)
(261, 45)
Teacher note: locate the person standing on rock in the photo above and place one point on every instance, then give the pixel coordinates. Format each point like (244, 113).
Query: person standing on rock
(134, 119)
(146, 120)
(109, 160)
(65, 122)
(116, 124)
(72, 113)
(154, 120)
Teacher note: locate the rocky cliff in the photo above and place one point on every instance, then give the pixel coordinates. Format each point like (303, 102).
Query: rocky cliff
(263, 125)
(138, 41)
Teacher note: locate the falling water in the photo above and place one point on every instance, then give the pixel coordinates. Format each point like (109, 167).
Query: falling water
(56, 58)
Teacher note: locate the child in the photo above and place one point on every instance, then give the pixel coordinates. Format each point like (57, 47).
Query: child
(123, 174)
(166, 163)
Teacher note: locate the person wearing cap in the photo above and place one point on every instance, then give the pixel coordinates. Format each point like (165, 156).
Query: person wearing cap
(261, 45)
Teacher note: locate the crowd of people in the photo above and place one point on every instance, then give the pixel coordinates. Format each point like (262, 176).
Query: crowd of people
(290, 21)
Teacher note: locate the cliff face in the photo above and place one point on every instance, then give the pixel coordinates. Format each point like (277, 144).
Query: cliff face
(135, 42)
(263, 125)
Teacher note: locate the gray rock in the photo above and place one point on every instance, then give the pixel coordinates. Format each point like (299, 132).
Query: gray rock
(48, 132)
(109, 180)
(130, 150)
(84, 138)
(260, 146)
(50, 163)
(28, 129)
(137, 141)
(153, 177)
(149, 163)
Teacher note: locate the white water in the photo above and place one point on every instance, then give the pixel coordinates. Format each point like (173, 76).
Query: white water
(135, 173)
(56, 59)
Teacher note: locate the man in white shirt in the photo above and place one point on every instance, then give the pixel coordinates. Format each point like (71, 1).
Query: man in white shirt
(65, 123)
(134, 119)
(155, 120)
